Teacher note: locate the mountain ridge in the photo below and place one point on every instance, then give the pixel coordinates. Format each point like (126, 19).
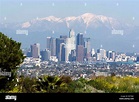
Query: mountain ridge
(86, 18)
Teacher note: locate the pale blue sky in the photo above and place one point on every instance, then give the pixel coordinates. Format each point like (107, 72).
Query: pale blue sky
(25, 10)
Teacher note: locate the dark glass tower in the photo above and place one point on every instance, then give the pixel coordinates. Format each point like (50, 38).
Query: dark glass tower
(80, 48)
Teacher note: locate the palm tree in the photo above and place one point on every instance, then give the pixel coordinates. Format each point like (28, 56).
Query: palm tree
(26, 84)
(50, 84)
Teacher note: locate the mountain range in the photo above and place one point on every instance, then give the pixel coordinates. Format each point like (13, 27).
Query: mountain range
(109, 32)
(79, 23)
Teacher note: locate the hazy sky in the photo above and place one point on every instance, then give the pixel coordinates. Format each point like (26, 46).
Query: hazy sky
(25, 10)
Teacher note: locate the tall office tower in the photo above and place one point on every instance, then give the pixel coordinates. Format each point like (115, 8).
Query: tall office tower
(92, 52)
(72, 56)
(62, 52)
(45, 55)
(35, 50)
(80, 39)
(70, 44)
(102, 53)
(80, 53)
(58, 42)
(111, 55)
(80, 48)
(87, 49)
(48, 43)
(98, 56)
(51, 45)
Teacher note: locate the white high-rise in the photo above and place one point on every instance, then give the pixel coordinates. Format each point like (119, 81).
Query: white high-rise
(70, 44)
(35, 50)
(101, 54)
(92, 52)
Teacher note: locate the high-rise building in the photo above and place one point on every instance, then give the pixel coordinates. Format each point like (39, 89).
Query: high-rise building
(92, 52)
(87, 48)
(48, 43)
(58, 42)
(70, 44)
(80, 48)
(72, 56)
(98, 56)
(51, 45)
(87, 44)
(102, 54)
(80, 39)
(62, 52)
(45, 55)
(111, 55)
(35, 50)
(80, 53)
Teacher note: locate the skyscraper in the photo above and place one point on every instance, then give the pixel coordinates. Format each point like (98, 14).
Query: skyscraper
(111, 55)
(80, 48)
(102, 54)
(58, 42)
(92, 52)
(48, 43)
(87, 49)
(80, 53)
(51, 45)
(80, 39)
(45, 55)
(35, 50)
(62, 52)
(70, 44)
(72, 56)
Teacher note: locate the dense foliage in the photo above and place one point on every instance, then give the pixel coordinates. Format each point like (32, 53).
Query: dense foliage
(11, 57)
(64, 84)
(113, 84)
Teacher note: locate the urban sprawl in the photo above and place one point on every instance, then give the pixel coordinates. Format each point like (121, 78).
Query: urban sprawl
(73, 56)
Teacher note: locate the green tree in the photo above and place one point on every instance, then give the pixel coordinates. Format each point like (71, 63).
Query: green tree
(51, 84)
(11, 56)
(27, 84)
(79, 86)
(66, 79)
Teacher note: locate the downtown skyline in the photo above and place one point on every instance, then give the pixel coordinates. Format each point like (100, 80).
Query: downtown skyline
(73, 48)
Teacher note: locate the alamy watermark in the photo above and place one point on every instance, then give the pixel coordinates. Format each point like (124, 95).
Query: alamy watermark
(126, 97)
(121, 32)
(10, 97)
(22, 32)
(4, 73)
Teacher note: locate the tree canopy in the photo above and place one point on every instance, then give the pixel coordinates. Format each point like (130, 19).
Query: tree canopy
(11, 56)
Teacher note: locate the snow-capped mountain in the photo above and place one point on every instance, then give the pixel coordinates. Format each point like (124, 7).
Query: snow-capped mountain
(98, 27)
(83, 21)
